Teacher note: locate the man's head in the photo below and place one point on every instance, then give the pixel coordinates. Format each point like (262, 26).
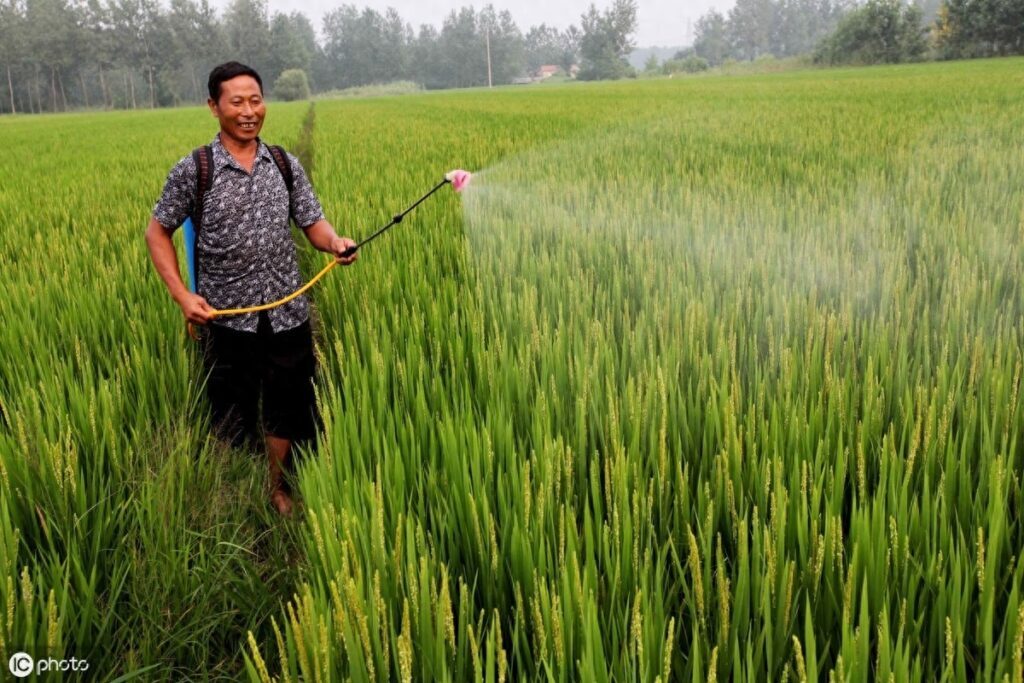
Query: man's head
(236, 99)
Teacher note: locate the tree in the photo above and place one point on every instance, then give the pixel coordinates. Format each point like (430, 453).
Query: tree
(54, 42)
(293, 42)
(799, 25)
(547, 45)
(542, 45)
(711, 42)
(606, 41)
(506, 44)
(463, 53)
(570, 40)
(292, 85)
(140, 29)
(756, 28)
(688, 65)
(427, 66)
(365, 47)
(102, 47)
(198, 39)
(752, 25)
(12, 44)
(153, 32)
(880, 31)
(247, 33)
(397, 36)
(980, 28)
(339, 28)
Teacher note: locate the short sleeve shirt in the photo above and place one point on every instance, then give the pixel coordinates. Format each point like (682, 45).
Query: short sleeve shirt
(245, 253)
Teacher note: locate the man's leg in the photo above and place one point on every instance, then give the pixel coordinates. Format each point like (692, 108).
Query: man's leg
(289, 403)
(277, 455)
(232, 385)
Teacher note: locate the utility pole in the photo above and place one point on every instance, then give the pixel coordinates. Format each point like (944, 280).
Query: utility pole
(489, 83)
(10, 88)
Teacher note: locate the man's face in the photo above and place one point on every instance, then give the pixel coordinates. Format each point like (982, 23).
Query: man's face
(240, 108)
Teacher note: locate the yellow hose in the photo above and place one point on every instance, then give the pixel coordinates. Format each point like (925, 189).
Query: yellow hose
(265, 307)
(280, 302)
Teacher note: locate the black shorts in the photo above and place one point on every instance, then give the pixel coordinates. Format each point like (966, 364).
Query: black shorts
(245, 369)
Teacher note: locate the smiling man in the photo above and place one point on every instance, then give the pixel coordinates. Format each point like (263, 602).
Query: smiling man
(241, 195)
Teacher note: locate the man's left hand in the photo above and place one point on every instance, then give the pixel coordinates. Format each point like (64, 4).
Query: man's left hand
(338, 247)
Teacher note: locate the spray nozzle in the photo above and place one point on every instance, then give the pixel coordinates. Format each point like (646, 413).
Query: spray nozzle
(458, 178)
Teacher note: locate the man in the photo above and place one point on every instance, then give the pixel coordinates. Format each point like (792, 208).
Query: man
(246, 257)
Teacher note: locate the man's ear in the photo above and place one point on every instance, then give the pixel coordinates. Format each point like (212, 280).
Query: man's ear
(213, 107)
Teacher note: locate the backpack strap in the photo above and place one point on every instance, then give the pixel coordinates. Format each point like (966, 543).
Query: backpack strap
(203, 157)
(284, 165)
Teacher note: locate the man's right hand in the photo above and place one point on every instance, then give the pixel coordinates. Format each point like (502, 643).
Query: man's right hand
(195, 309)
(161, 250)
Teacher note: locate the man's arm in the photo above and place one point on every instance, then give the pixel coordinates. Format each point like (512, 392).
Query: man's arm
(309, 215)
(322, 236)
(165, 258)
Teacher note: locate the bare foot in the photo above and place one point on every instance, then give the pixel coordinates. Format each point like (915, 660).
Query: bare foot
(282, 502)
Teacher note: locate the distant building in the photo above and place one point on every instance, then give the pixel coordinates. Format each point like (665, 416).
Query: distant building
(545, 72)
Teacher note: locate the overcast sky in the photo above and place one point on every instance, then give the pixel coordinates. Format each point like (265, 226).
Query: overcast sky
(660, 22)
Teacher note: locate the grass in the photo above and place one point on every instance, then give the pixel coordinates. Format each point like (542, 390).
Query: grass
(373, 90)
(707, 378)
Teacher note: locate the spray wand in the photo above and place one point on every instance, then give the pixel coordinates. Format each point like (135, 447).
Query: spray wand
(458, 178)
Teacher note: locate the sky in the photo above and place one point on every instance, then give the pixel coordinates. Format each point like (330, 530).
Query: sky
(660, 22)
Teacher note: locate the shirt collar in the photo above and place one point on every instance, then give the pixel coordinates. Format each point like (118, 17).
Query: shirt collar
(222, 157)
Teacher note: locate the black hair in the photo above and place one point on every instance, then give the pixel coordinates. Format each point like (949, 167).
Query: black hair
(227, 71)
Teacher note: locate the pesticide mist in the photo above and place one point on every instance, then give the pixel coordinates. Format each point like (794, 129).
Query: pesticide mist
(649, 220)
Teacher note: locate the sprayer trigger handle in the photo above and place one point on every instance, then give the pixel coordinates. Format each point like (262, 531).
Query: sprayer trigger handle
(351, 251)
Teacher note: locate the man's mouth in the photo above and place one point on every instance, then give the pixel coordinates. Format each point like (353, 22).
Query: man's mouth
(247, 125)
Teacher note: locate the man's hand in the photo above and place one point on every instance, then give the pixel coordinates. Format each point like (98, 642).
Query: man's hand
(338, 247)
(195, 309)
(322, 236)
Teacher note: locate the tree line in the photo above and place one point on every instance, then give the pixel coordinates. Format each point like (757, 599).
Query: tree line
(851, 32)
(62, 54)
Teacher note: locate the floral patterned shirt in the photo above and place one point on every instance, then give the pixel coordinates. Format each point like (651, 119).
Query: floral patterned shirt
(245, 253)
